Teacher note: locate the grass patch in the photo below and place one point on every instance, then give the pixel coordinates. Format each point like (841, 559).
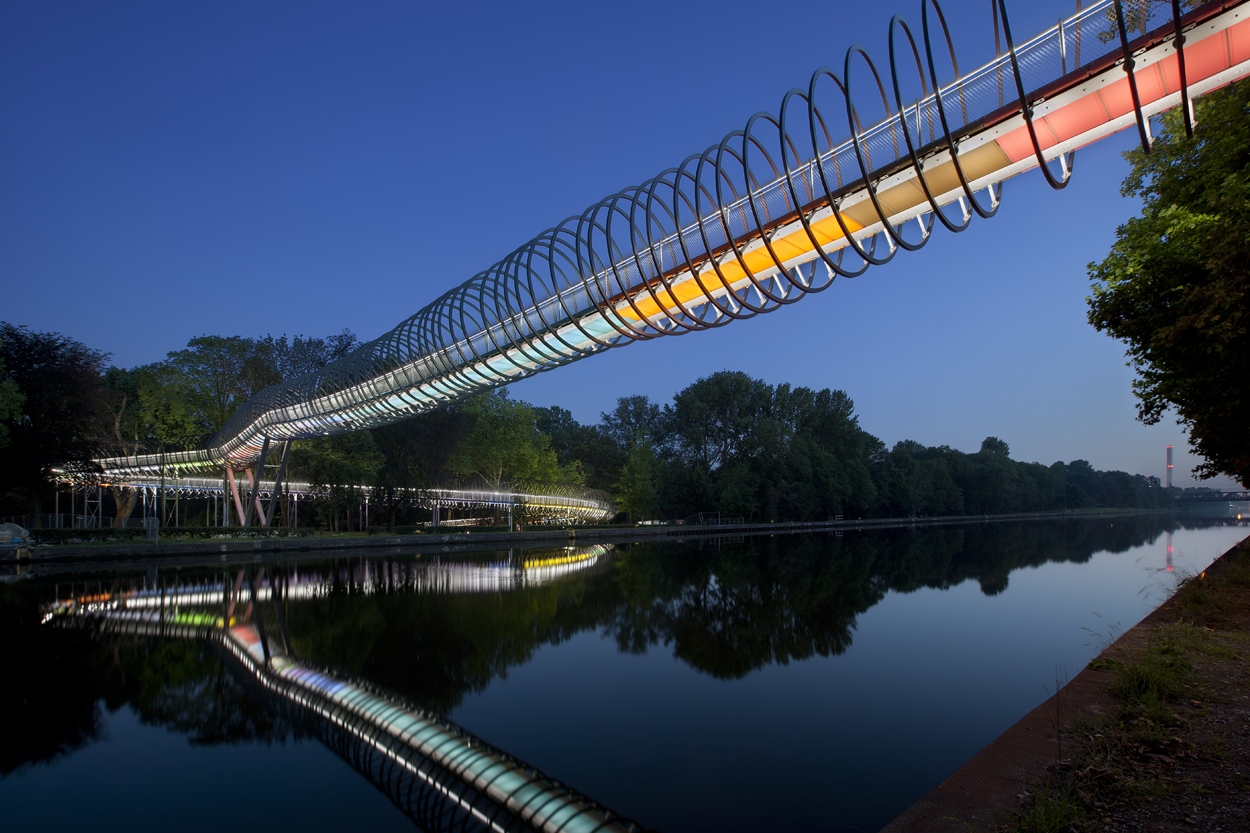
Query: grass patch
(1147, 682)
(1122, 761)
(1106, 769)
(1079, 794)
(1216, 600)
(1049, 813)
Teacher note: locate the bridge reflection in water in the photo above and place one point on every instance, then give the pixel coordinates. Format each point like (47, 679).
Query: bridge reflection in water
(440, 775)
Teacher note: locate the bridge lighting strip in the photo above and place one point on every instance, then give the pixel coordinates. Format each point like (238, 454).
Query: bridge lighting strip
(452, 577)
(566, 500)
(488, 773)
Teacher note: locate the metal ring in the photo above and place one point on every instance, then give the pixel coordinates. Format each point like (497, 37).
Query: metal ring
(1027, 111)
(1143, 130)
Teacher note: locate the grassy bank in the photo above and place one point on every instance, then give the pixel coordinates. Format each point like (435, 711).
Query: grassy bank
(1176, 753)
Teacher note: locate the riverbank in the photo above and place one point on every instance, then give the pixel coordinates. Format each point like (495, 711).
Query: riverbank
(1151, 735)
(250, 544)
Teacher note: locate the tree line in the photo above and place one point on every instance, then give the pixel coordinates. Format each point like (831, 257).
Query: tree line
(738, 446)
(726, 444)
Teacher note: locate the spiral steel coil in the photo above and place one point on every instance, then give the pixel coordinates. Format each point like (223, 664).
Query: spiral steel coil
(775, 211)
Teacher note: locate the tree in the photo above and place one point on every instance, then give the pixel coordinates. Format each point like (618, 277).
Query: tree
(636, 491)
(60, 422)
(122, 400)
(341, 465)
(818, 461)
(720, 418)
(589, 446)
(1173, 286)
(11, 400)
(635, 421)
(902, 480)
(220, 373)
(416, 453)
(302, 354)
(504, 444)
(995, 488)
(149, 413)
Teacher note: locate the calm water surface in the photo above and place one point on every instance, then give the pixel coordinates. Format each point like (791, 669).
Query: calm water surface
(768, 683)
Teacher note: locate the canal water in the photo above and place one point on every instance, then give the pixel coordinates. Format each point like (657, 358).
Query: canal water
(776, 682)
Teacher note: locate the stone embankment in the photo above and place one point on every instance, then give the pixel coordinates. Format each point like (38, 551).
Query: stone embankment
(240, 544)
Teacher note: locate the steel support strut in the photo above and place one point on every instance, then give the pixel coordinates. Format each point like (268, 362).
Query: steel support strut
(234, 493)
(1143, 126)
(267, 517)
(253, 498)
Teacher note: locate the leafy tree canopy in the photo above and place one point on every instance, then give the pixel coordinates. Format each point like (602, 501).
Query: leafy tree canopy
(587, 446)
(59, 420)
(220, 373)
(11, 400)
(635, 421)
(345, 465)
(637, 489)
(1173, 286)
(504, 444)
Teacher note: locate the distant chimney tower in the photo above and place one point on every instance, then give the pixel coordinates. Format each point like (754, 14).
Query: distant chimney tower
(1169, 466)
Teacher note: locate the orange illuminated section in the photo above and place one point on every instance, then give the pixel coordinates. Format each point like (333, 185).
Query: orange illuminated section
(1203, 59)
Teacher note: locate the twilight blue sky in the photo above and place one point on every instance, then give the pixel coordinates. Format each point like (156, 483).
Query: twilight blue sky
(171, 169)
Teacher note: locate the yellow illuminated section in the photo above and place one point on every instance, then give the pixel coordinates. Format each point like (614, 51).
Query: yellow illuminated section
(560, 560)
(791, 246)
(797, 245)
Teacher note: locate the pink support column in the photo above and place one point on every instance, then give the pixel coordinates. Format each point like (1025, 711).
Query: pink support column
(234, 493)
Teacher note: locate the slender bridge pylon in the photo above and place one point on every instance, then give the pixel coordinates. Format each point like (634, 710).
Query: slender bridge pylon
(775, 211)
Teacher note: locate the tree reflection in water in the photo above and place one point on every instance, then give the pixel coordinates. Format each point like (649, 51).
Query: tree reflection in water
(726, 610)
(57, 683)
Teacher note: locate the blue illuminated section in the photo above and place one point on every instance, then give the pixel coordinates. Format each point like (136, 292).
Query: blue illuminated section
(476, 765)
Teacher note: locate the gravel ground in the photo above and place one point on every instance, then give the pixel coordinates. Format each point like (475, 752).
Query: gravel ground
(1209, 773)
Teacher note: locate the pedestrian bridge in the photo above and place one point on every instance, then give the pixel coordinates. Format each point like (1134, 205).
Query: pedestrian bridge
(552, 502)
(776, 211)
